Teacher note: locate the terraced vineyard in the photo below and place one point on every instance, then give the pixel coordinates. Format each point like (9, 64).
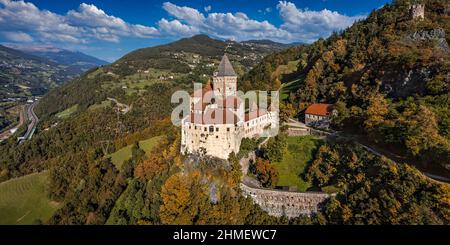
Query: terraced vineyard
(24, 200)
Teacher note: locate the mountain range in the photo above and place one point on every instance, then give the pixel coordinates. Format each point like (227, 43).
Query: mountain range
(35, 70)
(74, 60)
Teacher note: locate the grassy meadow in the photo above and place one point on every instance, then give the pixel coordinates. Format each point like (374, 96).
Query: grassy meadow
(299, 152)
(120, 156)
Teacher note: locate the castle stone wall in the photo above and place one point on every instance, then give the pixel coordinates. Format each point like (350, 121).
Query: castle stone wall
(282, 203)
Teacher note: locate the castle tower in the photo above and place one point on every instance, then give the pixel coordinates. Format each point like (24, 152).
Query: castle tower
(417, 11)
(225, 80)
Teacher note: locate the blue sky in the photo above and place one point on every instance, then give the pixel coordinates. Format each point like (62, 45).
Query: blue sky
(109, 29)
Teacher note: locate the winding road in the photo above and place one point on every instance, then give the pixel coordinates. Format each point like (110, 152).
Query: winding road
(433, 177)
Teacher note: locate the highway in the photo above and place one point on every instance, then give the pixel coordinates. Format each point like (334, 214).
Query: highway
(33, 123)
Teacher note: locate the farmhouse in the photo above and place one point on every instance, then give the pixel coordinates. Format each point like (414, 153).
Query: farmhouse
(318, 114)
(218, 120)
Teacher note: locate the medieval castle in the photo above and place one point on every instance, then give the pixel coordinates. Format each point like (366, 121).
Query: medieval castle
(218, 119)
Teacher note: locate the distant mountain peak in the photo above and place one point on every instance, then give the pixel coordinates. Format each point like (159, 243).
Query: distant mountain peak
(34, 48)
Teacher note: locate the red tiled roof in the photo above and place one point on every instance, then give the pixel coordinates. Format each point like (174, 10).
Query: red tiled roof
(254, 114)
(319, 109)
(214, 116)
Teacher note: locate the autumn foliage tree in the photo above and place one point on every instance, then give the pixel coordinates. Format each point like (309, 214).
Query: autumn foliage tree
(266, 173)
(375, 190)
(182, 199)
(376, 111)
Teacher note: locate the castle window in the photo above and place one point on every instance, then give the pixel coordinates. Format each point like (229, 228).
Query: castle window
(217, 136)
(195, 127)
(206, 129)
(228, 129)
(189, 126)
(217, 129)
(211, 129)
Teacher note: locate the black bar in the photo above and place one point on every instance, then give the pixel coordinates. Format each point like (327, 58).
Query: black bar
(307, 234)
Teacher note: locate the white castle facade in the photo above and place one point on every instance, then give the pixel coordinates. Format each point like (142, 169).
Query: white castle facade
(218, 119)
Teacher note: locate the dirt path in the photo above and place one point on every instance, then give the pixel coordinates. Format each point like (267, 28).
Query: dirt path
(125, 108)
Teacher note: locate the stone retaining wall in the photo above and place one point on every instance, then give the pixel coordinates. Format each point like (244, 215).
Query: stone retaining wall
(298, 131)
(282, 203)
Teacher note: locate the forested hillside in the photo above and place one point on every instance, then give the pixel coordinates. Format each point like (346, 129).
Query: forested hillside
(389, 76)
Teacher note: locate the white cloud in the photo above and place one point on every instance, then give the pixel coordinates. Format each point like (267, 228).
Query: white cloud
(189, 15)
(22, 21)
(90, 15)
(298, 25)
(85, 24)
(176, 28)
(17, 36)
(240, 27)
(307, 25)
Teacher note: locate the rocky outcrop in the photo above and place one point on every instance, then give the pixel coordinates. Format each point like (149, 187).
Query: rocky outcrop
(447, 10)
(283, 203)
(246, 161)
(437, 35)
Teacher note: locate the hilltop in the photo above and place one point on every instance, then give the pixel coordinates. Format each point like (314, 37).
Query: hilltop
(187, 54)
(178, 63)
